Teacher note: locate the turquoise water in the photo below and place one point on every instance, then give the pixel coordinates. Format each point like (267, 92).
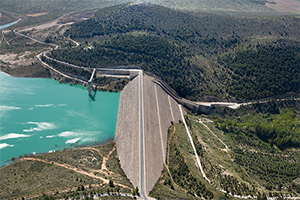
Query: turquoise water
(8, 25)
(41, 115)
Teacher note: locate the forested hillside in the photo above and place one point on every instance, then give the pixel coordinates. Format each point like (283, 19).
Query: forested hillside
(181, 25)
(264, 71)
(154, 54)
(193, 52)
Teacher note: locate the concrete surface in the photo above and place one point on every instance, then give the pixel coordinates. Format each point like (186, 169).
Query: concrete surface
(159, 109)
(127, 131)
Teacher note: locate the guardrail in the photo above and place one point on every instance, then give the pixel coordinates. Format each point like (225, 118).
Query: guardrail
(186, 103)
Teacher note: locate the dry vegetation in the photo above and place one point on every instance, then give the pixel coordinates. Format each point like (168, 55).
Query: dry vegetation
(285, 5)
(237, 162)
(65, 173)
(181, 179)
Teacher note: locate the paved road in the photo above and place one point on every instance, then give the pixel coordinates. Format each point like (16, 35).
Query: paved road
(142, 153)
(193, 146)
(38, 41)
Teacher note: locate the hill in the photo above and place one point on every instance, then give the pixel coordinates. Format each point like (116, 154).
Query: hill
(263, 71)
(61, 6)
(181, 25)
(40, 11)
(250, 7)
(242, 7)
(191, 51)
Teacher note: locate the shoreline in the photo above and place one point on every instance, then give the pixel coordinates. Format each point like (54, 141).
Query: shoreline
(8, 74)
(62, 80)
(7, 160)
(9, 24)
(112, 140)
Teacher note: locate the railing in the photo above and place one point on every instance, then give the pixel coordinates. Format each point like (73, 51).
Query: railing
(187, 103)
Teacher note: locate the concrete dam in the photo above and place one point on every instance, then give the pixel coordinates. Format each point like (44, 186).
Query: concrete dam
(144, 116)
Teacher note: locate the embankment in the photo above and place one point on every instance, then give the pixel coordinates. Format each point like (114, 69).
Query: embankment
(159, 110)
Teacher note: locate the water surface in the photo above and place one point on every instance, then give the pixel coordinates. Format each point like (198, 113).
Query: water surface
(41, 115)
(8, 25)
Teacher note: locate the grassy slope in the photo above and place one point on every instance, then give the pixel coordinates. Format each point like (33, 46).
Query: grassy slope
(253, 165)
(181, 165)
(174, 182)
(260, 162)
(271, 125)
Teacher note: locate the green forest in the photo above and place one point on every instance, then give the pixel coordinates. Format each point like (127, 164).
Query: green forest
(180, 25)
(274, 170)
(154, 54)
(197, 54)
(268, 131)
(264, 71)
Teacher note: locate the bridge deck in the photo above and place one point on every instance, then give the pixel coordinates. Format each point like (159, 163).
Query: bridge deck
(93, 75)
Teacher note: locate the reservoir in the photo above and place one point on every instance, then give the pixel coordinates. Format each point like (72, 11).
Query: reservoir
(41, 115)
(8, 25)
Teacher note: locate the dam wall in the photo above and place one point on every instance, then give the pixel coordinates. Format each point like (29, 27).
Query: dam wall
(159, 110)
(127, 131)
(153, 149)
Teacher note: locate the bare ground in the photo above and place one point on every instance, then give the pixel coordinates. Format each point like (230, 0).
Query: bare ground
(285, 5)
(87, 164)
(37, 14)
(22, 65)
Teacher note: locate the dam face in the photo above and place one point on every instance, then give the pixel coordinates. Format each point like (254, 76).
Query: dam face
(159, 109)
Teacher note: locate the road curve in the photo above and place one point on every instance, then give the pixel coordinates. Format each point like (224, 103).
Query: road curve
(38, 41)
